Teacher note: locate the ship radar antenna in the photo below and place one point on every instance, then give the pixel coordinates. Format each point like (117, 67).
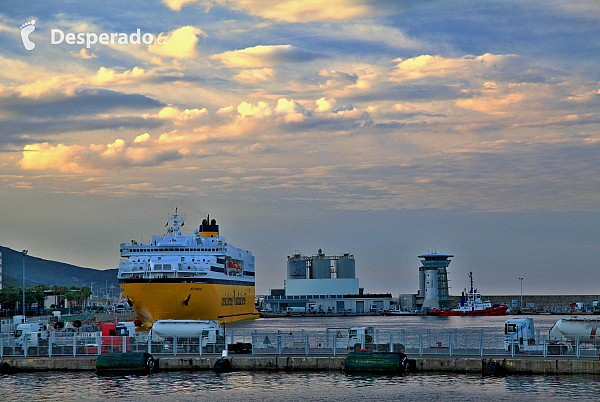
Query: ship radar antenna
(176, 220)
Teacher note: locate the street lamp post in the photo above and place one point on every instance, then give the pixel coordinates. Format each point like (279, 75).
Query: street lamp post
(24, 254)
(521, 279)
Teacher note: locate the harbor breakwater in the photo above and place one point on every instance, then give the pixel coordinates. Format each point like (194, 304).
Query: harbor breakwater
(321, 363)
(559, 304)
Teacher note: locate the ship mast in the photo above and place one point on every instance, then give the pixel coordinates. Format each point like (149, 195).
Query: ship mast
(472, 292)
(175, 220)
(471, 279)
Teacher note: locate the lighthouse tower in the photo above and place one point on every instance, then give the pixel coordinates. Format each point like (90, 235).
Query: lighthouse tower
(433, 281)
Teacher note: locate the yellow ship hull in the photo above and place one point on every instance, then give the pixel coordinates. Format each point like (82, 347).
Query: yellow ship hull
(154, 300)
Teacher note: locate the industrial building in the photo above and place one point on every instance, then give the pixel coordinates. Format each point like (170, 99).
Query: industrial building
(324, 284)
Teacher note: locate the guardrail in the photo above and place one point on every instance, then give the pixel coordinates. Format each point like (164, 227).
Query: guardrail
(331, 342)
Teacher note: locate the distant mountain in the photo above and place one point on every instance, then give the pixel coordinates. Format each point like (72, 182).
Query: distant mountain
(40, 271)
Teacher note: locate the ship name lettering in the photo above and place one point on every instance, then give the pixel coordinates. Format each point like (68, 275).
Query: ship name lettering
(230, 301)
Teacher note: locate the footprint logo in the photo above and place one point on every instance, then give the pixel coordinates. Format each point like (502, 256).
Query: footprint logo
(26, 29)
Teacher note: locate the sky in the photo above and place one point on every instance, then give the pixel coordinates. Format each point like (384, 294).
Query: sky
(385, 129)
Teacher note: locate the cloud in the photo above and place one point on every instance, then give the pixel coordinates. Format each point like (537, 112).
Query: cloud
(373, 33)
(176, 115)
(324, 105)
(262, 109)
(13, 130)
(177, 4)
(45, 156)
(492, 104)
(142, 138)
(83, 54)
(142, 152)
(333, 77)
(307, 10)
(85, 101)
(108, 76)
(427, 66)
(264, 56)
(226, 110)
(254, 75)
(290, 10)
(181, 43)
(291, 110)
(68, 84)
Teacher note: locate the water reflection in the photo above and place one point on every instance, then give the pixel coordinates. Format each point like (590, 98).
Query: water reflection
(277, 386)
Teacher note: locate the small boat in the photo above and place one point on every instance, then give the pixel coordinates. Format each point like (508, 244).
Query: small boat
(401, 312)
(471, 304)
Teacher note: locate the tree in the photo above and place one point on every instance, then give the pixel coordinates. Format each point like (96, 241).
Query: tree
(78, 295)
(60, 292)
(72, 294)
(85, 292)
(40, 295)
(9, 297)
(30, 297)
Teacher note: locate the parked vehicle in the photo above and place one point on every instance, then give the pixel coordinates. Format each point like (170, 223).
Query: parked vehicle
(114, 337)
(199, 333)
(35, 333)
(359, 336)
(519, 334)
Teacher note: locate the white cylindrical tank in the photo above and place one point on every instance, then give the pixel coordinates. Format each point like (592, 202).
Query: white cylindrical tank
(320, 269)
(296, 268)
(346, 268)
(183, 328)
(588, 329)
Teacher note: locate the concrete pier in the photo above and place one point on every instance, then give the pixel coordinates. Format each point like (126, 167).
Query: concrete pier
(320, 363)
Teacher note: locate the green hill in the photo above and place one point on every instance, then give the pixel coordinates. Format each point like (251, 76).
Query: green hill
(40, 271)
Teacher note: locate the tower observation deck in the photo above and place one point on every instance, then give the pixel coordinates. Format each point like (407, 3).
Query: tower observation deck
(433, 281)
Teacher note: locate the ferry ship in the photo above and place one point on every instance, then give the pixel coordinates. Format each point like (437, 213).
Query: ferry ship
(471, 304)
(188, 277)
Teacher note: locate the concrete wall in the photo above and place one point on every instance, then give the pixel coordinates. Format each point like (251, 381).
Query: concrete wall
(539, 301)
(325, 363)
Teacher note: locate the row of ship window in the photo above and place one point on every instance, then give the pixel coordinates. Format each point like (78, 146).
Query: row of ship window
(149, 250)
(158, 267)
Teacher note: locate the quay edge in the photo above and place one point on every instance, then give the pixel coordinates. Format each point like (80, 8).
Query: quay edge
(510, 366)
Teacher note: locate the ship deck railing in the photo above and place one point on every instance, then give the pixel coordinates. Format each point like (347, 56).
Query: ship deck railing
(330, 342)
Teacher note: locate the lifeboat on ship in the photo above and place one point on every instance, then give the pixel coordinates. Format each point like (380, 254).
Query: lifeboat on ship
(233, 268)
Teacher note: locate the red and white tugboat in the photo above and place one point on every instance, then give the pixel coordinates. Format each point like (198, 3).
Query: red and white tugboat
(471, 304)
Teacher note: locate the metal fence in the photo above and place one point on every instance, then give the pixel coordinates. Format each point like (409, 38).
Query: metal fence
(330, 342)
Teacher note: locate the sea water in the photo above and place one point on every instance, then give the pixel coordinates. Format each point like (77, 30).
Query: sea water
(293, 386)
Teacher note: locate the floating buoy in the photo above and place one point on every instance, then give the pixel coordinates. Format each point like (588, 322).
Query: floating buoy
(382, 362)
(139, 362)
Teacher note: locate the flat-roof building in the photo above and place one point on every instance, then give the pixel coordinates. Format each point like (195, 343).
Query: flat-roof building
(324, 284)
